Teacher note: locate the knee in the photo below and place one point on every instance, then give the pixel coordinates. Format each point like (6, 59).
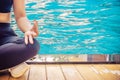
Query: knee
(34, 47)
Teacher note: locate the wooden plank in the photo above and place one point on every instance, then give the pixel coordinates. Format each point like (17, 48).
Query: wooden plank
(37, 72)
(54, 72)
(105, 73)
(4, 76)
(24, 77)
(70, 72)
(118, 65)
(112, 66)
(114, 69)
(88, 72)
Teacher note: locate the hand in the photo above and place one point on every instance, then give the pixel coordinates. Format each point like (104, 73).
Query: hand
(29, 35)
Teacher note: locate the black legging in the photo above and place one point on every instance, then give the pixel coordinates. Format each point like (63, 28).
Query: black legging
(13, 50)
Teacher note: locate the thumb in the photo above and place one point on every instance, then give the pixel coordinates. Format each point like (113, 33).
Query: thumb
(35, 27)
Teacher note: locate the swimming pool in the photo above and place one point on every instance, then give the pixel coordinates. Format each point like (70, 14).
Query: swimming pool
(76, 26)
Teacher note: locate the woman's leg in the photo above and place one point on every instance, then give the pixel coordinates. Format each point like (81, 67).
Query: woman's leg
(14, 51)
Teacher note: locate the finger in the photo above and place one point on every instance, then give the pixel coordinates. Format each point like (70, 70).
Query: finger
(35, 27)
(30, 39)
(35, 23)
(26, 39)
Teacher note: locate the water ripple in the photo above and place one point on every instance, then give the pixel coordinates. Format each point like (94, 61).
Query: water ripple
(75, 26)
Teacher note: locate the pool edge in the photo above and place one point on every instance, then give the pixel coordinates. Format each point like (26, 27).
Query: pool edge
(76, 59)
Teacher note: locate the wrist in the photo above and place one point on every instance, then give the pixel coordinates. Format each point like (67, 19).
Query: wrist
(24, 24)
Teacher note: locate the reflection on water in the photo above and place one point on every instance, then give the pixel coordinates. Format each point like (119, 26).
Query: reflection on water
(76, 26)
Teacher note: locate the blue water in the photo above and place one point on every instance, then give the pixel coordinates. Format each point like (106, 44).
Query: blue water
(76, 26)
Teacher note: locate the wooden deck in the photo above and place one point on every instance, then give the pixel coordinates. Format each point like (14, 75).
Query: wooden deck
(69, 72)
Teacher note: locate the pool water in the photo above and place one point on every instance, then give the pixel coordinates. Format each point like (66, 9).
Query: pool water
(76, 26)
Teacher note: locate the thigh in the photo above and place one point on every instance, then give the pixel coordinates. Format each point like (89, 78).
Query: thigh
(11, 39)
